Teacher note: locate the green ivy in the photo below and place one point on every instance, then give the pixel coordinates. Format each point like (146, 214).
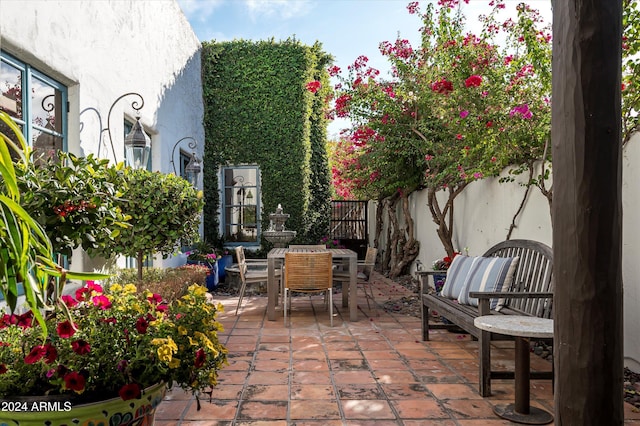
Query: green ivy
(259, 111)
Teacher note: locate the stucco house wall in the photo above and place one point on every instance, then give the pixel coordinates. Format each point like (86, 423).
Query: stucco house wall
(485, 210)
(103, 49)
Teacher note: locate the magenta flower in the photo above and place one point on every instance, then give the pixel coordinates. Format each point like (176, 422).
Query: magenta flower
(464, 113)
(101, 302)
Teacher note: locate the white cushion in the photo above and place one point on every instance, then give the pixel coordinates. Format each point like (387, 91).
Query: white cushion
(489, 274)
(456, 276)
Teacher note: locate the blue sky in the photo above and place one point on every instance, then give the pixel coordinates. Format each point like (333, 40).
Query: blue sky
(346, 28)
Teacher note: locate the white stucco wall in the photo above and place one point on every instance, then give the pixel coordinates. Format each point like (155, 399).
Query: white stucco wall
(103, 49)
(484, 211)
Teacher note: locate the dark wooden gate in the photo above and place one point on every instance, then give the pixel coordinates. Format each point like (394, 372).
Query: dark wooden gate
(349, 220)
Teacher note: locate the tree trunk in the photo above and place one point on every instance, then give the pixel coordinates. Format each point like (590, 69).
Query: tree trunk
(587, 212)
(139, 261)
(444, 217)
(408, 246)
(379, 227)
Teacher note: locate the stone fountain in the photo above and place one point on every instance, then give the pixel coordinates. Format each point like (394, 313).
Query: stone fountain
(276, 233)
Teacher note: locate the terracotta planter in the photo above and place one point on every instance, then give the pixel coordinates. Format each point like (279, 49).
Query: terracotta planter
(57, 411)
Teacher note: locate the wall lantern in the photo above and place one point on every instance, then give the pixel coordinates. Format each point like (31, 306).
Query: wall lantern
(194, 166)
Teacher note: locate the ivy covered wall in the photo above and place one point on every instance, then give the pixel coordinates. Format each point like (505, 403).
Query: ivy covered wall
(258, 111)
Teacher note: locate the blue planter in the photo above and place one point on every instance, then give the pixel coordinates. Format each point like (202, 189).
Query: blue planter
(438, 281)
(212, 279)
(223, 262)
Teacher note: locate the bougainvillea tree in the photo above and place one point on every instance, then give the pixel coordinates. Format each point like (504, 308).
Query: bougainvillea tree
(458, 108)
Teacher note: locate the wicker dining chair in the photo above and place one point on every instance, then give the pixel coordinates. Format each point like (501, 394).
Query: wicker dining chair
(363, 275)
(257, 274)
(309, 272)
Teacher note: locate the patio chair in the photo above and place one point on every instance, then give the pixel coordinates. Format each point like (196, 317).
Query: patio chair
(308, 273)
(257, 274)
(364, 274)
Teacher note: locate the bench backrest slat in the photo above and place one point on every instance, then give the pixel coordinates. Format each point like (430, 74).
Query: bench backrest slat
(533, 275)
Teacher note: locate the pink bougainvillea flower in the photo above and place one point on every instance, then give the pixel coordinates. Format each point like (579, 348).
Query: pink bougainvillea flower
(477, 175)
(473, 81)
(74, 381)
(464, 113)
(81, 347)
(101, 302)
(459, 136)
(130, 391)
(313, 86)
(65, 329)
(334, 70)
(442, 86)
(521, 110)
(428, 157)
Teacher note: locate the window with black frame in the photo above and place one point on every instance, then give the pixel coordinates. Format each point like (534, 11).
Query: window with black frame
(241, 205)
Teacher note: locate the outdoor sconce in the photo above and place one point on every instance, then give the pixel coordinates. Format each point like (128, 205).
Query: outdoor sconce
(137, 143)
(194, 166)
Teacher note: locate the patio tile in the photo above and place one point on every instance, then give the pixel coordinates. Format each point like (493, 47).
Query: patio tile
(352, 391)
(310, 377)
(467, 409)
(313, 392)
(215, 410)
(452, 391)
(263, 410)
(368, 409)
(419, 409)
(348, 364)
(310, 365)
(356, 377)
(394, 376)
(405, 391)
(265, 392)
(268, 378)
(314, 410)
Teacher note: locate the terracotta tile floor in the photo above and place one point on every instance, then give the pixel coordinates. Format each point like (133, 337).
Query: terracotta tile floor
(375, 371)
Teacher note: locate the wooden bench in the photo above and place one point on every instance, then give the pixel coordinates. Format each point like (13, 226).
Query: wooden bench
(531, 293)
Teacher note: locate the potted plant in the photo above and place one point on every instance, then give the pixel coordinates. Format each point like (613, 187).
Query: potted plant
(202, 253)
(117, 344)
(442, 265)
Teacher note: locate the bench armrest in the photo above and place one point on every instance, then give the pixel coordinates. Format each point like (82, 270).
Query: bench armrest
(508, 294)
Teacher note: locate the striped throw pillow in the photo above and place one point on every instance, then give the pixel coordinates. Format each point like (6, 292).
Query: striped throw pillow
(488, 274)
(457, 275)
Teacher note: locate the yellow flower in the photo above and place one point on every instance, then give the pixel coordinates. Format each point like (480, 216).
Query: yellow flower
(174, 363)
(115, 288)
(205, 340)
(192, 342)
(130, 289)
(182, 331)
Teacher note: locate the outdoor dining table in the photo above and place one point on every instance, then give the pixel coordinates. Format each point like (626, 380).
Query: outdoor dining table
(346, 256)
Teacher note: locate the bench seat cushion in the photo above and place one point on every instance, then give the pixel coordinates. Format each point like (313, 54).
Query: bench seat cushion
(488, 274)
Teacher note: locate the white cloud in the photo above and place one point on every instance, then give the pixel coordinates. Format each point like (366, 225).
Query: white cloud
(199, 10)
(283, 9)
